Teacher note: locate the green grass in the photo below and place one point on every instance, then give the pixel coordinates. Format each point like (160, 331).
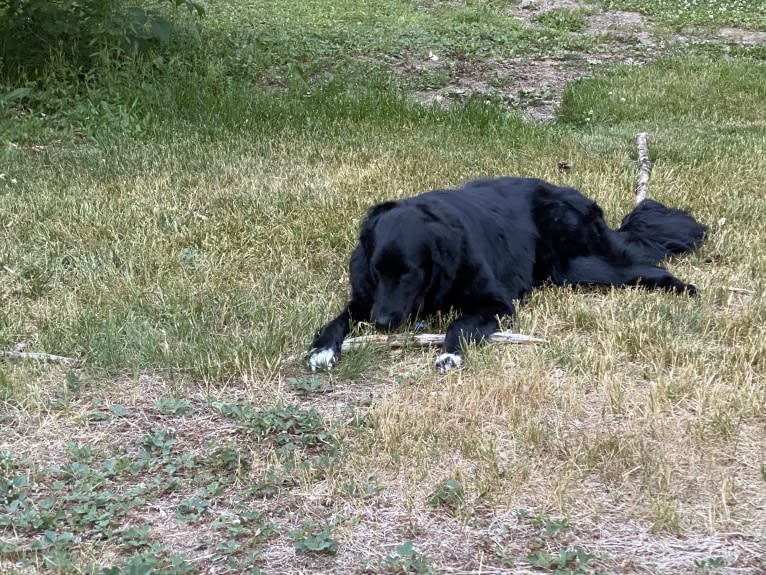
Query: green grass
(561, 19)
(703, 95)
(748, 14)
(180, 222)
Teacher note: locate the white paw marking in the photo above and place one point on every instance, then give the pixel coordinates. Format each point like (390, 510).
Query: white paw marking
(447, 361)
(324, 358)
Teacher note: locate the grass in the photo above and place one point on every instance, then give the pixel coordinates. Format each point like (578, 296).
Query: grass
(182, 226)
(747, 14)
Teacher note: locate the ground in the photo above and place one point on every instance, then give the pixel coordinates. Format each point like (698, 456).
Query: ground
(181, 243)
(535, 85)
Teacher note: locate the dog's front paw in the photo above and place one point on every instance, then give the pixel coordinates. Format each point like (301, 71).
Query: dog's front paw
(447, 361)
(322, 359)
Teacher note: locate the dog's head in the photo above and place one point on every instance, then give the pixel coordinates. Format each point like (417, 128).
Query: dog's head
(398, 248)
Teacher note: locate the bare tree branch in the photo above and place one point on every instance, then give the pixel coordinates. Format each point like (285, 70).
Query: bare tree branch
(30, 356)
(644, 167)
(429, 339)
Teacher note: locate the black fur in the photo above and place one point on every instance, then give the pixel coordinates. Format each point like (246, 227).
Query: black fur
(478, 249)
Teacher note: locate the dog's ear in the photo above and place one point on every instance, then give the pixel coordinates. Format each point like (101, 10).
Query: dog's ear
(365, 235)
(374, 212)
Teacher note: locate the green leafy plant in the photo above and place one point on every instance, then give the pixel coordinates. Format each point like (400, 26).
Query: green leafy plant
(565, 562)
(308, 385)
(151, 561)
(135, 537)
(362, 489)
(31, 30)
(550, 525)
(560, 19)
(193, 507)
(227, 458)
(274, 481)
(406, 560)
(158, 442)
(449, 493)
(313, 539)
(120, 411)
(291, 426)
(173, 406)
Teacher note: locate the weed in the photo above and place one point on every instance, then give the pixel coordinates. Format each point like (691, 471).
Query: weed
(290, 426)
(309, 384)
(430, 80)
(448, 493)
(174, 407)
(151, 561)
(273, 482)
(73, 383)
(135, 537)
(565, 562)
(363, 489)
(311, 538)
(550, 525)
(158, 442)
(119, 411)
(247, 524)
(227, 459)
(560, 19)
(80, 453)
(192, 508)
(406, 560)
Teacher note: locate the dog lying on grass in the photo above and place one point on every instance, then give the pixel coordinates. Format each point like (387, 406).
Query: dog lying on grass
(477, 249)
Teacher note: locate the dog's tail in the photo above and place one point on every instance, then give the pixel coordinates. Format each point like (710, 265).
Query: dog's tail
(652, 232)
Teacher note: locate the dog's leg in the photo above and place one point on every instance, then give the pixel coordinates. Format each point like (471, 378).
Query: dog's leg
(471, 327)
(595, 270)
(325, 349)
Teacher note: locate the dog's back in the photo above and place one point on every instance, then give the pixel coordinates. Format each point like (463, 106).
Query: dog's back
(492, 219)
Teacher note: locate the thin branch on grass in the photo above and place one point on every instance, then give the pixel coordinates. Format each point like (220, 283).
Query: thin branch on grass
(31, 356)
(429, 339)
(741, 290)
(644, 167)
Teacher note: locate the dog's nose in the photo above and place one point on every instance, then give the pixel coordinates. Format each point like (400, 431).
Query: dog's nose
(385, 322)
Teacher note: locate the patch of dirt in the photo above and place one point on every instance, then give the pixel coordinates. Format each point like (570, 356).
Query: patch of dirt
(744, 37)
(535, 85)
(527, 9)
(617, 22)
(611, 21)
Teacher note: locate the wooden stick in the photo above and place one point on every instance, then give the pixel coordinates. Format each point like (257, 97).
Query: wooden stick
(644, 167)
(46, 357)
(429, 339)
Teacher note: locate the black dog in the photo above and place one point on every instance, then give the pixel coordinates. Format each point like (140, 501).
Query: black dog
(477, 249)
